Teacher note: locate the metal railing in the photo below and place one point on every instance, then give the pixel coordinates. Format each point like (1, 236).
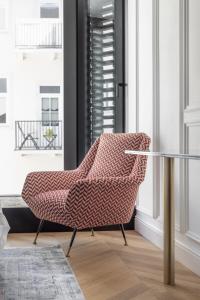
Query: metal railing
(38, 135)
(39, 34)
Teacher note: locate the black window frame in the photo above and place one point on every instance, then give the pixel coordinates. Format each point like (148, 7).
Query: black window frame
(75, 80)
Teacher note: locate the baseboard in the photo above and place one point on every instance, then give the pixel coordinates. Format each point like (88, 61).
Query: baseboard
(188, 257)
(184, 254)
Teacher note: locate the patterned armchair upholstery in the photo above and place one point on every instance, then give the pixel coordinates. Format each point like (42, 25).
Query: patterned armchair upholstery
(101, 191)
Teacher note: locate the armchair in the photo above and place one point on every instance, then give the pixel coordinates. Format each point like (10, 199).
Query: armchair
(101, 191)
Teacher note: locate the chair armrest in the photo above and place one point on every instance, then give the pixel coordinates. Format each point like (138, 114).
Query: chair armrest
(101, 201)
(40, 182)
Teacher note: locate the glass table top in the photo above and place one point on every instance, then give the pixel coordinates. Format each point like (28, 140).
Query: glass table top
(164, 154)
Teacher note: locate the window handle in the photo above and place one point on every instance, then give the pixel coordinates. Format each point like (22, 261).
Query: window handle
(119, 85)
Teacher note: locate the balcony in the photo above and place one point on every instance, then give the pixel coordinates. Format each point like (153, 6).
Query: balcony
(38, 135)
(39, 34)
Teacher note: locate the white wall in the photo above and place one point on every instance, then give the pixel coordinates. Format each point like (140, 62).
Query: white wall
(24, 103)
(165, 98)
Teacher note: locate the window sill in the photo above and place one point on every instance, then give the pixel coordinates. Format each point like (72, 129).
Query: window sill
(4, 125)
(24, 153)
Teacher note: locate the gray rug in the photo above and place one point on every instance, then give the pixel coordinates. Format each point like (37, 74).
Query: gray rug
(37, 273)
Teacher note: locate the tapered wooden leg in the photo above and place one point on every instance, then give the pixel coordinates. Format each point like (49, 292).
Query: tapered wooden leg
(169, 276)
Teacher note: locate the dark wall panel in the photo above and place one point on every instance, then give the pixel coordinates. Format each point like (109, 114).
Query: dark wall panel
(70, 84)
(82, 79)
(22, 220)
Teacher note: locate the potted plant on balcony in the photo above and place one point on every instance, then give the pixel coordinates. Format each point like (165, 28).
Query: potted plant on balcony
(50, 136)
(49, 133)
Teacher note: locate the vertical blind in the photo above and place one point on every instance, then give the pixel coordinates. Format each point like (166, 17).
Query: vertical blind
(101, 68)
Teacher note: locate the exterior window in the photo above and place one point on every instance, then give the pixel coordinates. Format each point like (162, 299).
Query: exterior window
(3, 100)
(101, 68)
(3, 18)
(49, 9)
(50, 105)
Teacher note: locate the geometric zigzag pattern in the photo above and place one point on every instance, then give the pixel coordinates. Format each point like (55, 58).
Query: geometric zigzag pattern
(101, 191)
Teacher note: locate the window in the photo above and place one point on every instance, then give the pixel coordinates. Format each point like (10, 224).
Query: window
(50, 105)
(3, 100)
(94, 102)
(3, 18)
(49, 9)
(102, 68)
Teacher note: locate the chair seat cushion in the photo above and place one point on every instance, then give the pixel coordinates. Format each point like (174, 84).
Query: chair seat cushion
(50, 206)
(111, 160)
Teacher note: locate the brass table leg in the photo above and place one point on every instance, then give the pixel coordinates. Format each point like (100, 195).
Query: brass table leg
(169, 277)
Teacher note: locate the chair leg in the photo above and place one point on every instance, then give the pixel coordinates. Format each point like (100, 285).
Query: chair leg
(92, 232)
(123, 233)
(22, 144)
(71, 242)
(38, 231)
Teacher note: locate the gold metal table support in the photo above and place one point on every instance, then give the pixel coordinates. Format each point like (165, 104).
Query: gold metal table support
(169, 229)
(169, 208)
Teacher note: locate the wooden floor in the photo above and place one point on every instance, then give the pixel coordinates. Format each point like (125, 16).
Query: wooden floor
(106, 270)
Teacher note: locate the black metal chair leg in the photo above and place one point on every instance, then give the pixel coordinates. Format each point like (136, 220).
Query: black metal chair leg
(92, 232)
(38, 231)
(71, 242)
(123, 233)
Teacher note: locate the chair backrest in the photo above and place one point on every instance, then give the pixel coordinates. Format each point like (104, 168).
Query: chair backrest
(20, 129)
(110, 159)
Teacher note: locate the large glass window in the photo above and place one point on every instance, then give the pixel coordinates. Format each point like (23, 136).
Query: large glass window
(101, 50)
(105, 67)
(50, 105)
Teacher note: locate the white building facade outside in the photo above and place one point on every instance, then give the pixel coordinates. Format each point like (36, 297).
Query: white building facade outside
(31, 90)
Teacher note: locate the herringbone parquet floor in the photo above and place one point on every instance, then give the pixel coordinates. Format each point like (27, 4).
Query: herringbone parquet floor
(106, 270)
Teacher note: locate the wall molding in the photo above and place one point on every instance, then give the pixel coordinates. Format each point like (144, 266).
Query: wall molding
(137, 62)
(188, 257)
(137, 72)
(155, 97)
(141, 209)
(184, 254)
(183, 103)
(189, 116)
(156, 106)
(193, 236)
(187, 242)
(149, 231)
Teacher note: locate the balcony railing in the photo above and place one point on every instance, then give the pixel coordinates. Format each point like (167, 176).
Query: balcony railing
(39, 34)
(38, 135)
